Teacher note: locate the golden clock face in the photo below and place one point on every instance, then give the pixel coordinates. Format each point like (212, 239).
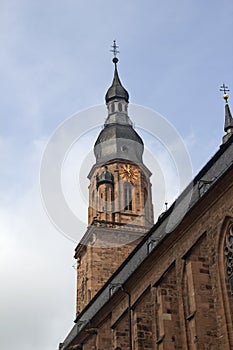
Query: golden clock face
(128, 172)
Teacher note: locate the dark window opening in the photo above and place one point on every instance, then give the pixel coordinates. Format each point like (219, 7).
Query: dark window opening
(128, 196)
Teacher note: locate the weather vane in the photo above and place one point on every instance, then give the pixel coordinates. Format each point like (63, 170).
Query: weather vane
(225, 89)
(114, 49)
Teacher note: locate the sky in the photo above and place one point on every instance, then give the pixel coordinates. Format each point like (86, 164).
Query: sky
(55, 63)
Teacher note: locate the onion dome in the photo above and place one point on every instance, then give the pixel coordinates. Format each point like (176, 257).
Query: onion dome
(117, 141)
(105, 177)
(118, 131)
(116, 90)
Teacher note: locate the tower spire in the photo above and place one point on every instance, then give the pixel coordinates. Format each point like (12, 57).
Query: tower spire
(118, 139)
(116, 90)
(228, 125)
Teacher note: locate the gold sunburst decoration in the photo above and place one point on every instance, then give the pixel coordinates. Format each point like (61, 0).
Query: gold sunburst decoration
(128, 173)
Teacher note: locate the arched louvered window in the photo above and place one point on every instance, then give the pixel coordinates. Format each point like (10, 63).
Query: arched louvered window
(146, 207)
(128, 196)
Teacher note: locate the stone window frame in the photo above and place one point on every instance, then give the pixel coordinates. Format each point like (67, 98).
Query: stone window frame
(228, 254)
(128, 196)
(224, 305)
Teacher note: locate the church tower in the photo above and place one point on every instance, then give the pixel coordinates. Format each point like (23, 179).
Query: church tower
(120, 204)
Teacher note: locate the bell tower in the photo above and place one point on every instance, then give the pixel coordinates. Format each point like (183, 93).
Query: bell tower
(120, 204)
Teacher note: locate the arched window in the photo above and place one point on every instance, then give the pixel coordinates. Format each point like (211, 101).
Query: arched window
(228, 251)
(120, 107)
(127, 196)
(145, 196)
(146, 207)
(225, 265)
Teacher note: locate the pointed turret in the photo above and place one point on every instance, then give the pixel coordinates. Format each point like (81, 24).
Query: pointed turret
(228, 126)
(116, 90)
(228, 117)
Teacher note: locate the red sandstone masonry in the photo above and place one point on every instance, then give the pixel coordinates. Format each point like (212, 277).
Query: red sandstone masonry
(121, 333)
(181, 289)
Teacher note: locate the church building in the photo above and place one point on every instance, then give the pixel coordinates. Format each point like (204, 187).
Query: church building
(141, 286)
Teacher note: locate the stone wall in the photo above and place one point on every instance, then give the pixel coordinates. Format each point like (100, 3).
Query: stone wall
(181, 296)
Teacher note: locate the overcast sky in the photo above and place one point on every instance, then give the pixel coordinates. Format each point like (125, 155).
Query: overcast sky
(55, 62)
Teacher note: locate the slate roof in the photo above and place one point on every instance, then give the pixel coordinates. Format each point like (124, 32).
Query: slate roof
(228, 118)
(118, 131)
(116, 90)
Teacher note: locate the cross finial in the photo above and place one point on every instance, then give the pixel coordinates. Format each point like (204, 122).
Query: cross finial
(114, 49)
(225, 89)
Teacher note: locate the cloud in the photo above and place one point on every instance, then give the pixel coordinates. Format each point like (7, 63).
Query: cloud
(36, 286)
(37, 279)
